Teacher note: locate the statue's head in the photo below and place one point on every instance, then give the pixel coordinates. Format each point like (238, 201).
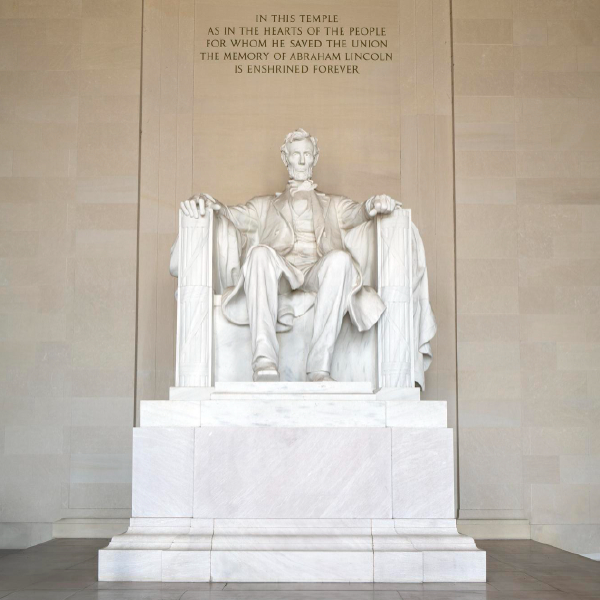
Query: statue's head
(300, 154)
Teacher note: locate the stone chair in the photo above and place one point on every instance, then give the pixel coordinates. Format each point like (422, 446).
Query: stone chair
(211, 349)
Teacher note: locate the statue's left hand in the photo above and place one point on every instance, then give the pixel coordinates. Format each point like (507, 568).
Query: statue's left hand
(381, 205)
(197, 205)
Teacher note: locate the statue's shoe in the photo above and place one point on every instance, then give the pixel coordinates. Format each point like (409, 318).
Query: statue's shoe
(266, 375)
(319, 376)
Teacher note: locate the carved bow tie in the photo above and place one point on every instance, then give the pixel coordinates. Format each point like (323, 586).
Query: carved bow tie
(301, 186)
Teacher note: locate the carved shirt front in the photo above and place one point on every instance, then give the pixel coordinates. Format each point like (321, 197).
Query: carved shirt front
(303, 254)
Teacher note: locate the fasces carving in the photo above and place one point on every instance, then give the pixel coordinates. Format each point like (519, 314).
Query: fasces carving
(396, 367)
(194, 302)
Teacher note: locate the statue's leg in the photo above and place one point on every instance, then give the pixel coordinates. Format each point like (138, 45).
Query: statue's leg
(332, 278)
(261, 277)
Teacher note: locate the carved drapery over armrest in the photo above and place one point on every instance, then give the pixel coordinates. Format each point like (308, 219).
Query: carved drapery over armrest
(194, 301)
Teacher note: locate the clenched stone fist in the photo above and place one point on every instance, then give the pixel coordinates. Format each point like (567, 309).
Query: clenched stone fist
(381, 205)
(197, 205)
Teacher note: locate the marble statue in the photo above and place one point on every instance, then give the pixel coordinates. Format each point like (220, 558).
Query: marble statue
(282, 254)
(299, 246)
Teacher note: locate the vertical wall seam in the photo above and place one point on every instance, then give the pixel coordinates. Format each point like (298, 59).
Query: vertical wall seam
(456, 407)
(156, 229)
(139, 206)
(518, 258)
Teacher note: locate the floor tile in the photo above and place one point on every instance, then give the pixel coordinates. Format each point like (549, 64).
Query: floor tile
(272, 587)
(522, 586)
(126, 595)
(444, 595)
(40, 595)
(68, 579)
(577, 586)
(18, 582)
(292, 595)
(153, 585)
(516, 581)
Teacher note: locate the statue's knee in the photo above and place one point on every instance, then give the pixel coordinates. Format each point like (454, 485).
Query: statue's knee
(339, 259)
(259, 255)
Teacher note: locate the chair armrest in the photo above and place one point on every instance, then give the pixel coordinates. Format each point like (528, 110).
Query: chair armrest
(394, 282)
(193, 363)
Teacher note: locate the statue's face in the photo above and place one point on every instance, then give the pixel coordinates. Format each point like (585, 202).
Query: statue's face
(301, 157)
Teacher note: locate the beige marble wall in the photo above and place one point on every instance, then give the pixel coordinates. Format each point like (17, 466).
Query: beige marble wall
(207, 129)
(165, 180)
(527, 121)
(69, 131)
(69, 161)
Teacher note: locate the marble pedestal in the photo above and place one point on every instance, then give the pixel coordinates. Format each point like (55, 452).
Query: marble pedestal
(293, 483)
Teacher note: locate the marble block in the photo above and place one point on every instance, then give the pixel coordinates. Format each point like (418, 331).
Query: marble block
(293, 390)
(354, 410)
(388, 393)
(280, 566)
(295, 537)
(440, 566)
(432, 413)
(163, 471)
(164, 413)
(389, 567)
(423, 473)
(292, 473)
(291, 396)
(295, 387)
(186, 565)
(154, 565)
(130, 565)
(293, 413)
(194, 394)
(299, 550)
(225, 526)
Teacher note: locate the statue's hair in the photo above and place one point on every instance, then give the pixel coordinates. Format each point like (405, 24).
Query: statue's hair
(295, 136)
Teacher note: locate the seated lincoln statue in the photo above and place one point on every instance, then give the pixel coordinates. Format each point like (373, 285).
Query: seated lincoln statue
(289, 244)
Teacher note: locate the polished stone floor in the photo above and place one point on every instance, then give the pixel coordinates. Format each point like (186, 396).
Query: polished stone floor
(517, 570)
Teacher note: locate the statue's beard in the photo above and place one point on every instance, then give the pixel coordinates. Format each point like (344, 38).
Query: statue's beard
(300, 175)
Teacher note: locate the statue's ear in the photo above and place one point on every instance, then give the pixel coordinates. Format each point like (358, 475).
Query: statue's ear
(284, 156)
(316, 160)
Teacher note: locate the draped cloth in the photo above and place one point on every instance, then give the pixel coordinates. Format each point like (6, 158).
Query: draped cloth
(424, 325)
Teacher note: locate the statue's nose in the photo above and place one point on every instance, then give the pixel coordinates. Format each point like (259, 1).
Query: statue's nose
(302, 161)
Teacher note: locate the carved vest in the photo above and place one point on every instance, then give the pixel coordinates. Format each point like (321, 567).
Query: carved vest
(304, 252)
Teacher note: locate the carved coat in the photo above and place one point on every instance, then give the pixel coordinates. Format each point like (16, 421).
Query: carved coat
(267, 221)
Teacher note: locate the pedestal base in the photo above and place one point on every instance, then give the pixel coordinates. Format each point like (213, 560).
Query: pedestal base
(293, 550)
(293, 482)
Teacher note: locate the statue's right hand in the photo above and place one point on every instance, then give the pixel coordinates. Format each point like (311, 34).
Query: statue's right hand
(190, 207)
(196, 206)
